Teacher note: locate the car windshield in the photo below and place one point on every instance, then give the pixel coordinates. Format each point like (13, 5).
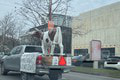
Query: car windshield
(33, 49)
(113, 58)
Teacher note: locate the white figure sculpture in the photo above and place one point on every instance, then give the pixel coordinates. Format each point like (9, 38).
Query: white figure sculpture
(50, 39)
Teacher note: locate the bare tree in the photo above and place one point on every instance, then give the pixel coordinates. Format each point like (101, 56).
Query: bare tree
(37, 11)
(21, 30)
(79, 29)
(8, 28)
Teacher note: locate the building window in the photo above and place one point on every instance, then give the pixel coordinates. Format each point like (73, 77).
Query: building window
(107, 52)
(78, 52)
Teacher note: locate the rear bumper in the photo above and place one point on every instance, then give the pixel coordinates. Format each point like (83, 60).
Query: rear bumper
(42, 71)
(60, 67)
(116, 66)
(45, 70)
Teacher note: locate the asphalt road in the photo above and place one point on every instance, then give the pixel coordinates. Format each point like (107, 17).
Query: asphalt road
(81, 76)
(68, 76)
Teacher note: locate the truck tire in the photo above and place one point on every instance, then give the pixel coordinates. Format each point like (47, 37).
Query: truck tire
(55, 75)
(3, 70)
(27, 76)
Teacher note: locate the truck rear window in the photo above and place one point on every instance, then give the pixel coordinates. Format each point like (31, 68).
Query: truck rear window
(33, 49)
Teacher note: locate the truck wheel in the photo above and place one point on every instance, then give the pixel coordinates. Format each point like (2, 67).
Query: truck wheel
(55, 75)
(27, 76)
(3, 70)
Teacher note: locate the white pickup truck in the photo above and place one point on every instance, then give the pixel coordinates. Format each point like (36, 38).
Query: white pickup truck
(30, 61)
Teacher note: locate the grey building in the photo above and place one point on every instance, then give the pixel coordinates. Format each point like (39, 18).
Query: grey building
(99, 24)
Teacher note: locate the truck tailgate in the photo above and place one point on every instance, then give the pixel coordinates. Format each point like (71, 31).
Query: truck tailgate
(56, 60)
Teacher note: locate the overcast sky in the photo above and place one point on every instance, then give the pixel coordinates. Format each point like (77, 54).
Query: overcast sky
(77, 6)
(80, 6)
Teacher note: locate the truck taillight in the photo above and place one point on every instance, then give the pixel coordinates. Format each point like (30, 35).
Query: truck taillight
(39, 60)
(62, 61)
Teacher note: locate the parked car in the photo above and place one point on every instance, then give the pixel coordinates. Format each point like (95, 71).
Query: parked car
(112, 62)
(77, 60)
(1, 55)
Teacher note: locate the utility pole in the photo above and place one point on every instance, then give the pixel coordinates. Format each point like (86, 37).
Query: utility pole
(50, 22)
(50, 10)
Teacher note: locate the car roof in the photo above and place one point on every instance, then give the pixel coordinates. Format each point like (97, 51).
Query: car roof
(74, 57)
(30, 45)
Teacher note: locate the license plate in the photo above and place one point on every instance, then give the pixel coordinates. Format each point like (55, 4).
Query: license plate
(55, 60)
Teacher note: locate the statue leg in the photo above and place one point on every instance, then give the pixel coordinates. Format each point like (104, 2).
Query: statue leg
(52, 49)
(44, 48)
(61, 48)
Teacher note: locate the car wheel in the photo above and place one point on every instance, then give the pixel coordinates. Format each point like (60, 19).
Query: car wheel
(27, 76)
(55, 75)
(3, 70)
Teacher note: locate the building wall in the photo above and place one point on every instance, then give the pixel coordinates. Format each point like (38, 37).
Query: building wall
(100, 24)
